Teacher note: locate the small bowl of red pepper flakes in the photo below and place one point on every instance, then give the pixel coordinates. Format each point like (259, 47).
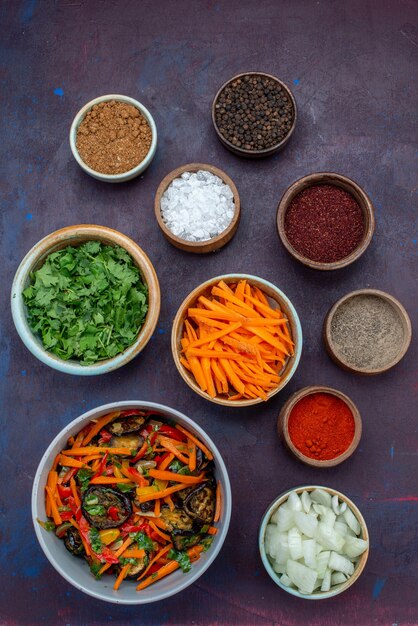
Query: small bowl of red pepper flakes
(321, 426)
(325, 220)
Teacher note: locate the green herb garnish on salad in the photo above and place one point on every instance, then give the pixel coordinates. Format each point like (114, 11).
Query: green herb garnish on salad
(87, 303)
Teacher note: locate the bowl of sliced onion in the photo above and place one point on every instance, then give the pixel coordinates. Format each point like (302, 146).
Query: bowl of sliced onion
(313, 542)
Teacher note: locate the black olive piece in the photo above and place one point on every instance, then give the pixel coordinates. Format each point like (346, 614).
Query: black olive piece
(200, 503)
(106, 497)
(129, 424)
(73, 543)
(131, 441)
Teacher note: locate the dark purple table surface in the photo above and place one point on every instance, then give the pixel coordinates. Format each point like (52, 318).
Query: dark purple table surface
(352, 67)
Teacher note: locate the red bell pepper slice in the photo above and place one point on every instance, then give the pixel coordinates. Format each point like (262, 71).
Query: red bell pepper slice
(105, 436)
(64, 491)
(70, 474)
(172, 432)
(105, 555)
(113, 513)
(101, 467)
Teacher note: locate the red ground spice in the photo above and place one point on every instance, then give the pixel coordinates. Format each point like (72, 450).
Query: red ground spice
(321, 426)
(324, 223)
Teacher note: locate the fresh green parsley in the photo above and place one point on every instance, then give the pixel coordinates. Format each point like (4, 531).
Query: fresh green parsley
(182, 559)
(87, 303)
(124, 487)
(143, 541)
(83, 477)
(95, 540)
(95, 569)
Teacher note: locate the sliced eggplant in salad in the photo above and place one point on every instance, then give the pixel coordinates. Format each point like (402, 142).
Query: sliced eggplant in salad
(104, 507)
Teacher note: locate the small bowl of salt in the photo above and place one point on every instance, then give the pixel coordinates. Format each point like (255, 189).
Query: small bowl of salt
(197, 207)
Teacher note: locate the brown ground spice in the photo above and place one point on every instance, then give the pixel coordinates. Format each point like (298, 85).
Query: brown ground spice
(114, 137)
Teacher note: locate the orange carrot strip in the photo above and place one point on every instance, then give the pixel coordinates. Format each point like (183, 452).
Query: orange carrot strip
(185, 363)
(179, 478)
(101, 423)
(221, 333)
(191, 333)
(122, 549)
(220, 376)
(97, 450)
(163, 493)
(122, 574)
(232, 377)
(215, 354)
(237, 396)
(214, 305)
(158, 521)
(170, 446)
(260, 295)
(169, 500)
(195, 440)
(212, 530)
(78, 440)
(166, 462)
(240, 289)
(75, 492)
(52, 484)
(268, 338)
(165, 570)
(158, 530)
(266, 309)
(219, 291)
(157, 508)
(68, 462)
(93, 457)
(156, 557)
(192, 455)
(134, 477)
(109, 480)
(133, 553)
(54, 509)
(218, 503)
(55, 463)
(210, 387)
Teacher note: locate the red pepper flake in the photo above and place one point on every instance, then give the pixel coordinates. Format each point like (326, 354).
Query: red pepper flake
(324, 223)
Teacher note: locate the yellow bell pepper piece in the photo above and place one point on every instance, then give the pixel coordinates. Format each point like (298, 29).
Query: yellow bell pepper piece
(109, 535)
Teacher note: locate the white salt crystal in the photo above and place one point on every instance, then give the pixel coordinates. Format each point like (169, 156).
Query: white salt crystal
(198, 206)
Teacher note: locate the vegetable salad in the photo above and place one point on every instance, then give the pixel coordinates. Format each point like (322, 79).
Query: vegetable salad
(135, 496)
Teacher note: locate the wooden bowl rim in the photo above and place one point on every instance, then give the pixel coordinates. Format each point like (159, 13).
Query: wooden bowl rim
(323, 178)
(293, 320)
(398, 308)
(283, 425)
(68, 236)
(192, 246)
(321, 595)
(265, 151)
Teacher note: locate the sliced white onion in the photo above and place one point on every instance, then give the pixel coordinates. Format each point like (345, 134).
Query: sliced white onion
(309, 553)
(311, 541)
(303, 577)
(329, 538)
(293, 502)
(306, 501)
(294, 539)
(352, 521)
(354, 546)
(306, 523)
(340, 564)
(322, 560)
(326, 583)
(321, 497)
(284, 518)
(337, 578)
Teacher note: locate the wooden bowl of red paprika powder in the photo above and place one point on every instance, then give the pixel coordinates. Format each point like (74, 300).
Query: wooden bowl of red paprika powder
(321, 426)
(325, 220)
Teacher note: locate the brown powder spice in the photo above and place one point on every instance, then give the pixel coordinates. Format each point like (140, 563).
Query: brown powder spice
(113, 138)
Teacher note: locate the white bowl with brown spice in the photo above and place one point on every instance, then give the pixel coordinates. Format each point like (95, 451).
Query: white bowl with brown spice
(113, 138)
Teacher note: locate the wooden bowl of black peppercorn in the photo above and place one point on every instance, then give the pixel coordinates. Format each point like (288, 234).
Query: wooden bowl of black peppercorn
(254, 114)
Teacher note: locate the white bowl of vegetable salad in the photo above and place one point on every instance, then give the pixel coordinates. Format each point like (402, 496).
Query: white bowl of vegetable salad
(131, 502)
(313, 542)
(85, 300)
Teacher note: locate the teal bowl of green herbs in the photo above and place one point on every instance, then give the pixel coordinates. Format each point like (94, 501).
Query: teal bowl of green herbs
(85, 300)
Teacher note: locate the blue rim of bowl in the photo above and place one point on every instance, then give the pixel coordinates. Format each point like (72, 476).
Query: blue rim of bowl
(321, 595)
(135, 171)
(72, 428)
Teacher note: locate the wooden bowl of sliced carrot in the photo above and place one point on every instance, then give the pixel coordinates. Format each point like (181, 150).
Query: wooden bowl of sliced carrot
(236, 340)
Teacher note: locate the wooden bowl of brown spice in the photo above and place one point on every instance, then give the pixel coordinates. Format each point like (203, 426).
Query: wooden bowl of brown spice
(113, 138)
